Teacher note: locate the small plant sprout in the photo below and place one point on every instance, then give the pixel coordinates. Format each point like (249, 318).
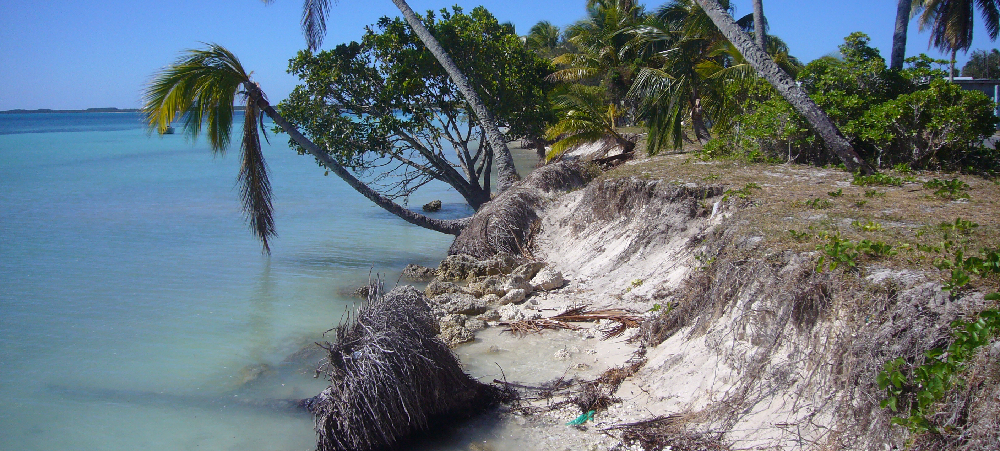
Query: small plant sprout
(839, 192)
(867, 226)
(949, 189)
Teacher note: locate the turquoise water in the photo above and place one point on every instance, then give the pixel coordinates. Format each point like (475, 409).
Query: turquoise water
(133, 298)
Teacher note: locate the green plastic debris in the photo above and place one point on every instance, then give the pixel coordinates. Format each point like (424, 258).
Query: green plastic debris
(582, 419)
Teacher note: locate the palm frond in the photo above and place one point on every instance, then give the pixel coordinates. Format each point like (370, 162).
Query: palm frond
(202, 86)
(314, 13)
(560, 147)
(255, 188)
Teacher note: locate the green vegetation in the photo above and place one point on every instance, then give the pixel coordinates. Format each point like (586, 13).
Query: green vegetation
(876, 180)
(386, 102)
(949, 189)
(914, 389)
(900, 119)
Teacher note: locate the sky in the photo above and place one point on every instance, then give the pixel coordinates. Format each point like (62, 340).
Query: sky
(79, 54)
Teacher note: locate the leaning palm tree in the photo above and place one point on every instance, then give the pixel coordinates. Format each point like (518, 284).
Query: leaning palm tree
(951, 23)
(786, 86)
(203, 87)
(314, 15)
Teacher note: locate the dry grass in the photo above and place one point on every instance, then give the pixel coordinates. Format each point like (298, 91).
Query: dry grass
(815, 202)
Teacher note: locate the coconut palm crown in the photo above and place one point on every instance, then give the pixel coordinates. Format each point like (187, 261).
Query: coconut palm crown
(203, 87)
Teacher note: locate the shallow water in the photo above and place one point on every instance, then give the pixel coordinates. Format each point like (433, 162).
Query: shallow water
(135, 306)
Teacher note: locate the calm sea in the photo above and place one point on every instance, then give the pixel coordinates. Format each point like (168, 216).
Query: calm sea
(136, 309)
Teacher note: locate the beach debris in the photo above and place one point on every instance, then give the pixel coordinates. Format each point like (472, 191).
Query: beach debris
(583, 418)
(622, 319)
(389, 356)
(667, 433)
(523, 327)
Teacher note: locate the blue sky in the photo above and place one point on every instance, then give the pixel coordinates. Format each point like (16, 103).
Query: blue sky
(100, 53)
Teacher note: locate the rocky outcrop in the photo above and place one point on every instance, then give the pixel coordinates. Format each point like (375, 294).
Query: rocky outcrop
(418, 273)
(432, 206)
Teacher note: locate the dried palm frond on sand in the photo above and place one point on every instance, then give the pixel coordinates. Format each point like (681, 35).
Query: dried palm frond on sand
(626, 319)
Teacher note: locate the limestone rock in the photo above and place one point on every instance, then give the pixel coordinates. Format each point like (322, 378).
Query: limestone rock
(458, 303)
(513, 296)
(490, 299)
(432, 206)
(438, 287)
(511, 313)
(548, 279)
(517, 282)
(418, 273)
(464, 267)
(490, 315)
(490, 285)
(459, 267)
(454, 334)
(475, 324)
(528, 270)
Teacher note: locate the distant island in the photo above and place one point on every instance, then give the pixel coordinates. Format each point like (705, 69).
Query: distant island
(88, 110)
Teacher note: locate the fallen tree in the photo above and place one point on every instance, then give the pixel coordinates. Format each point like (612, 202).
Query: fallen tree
(390, 377)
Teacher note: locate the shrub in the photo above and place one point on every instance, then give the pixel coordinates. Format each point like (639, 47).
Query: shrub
(910, 118)
(937, 126)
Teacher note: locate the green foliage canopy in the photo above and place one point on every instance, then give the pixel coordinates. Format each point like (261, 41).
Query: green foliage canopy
(385, 107)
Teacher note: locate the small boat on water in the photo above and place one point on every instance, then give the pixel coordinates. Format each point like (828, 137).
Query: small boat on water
(169, 131)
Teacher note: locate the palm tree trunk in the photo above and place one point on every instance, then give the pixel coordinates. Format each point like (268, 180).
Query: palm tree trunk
(698, 120)
(758, 25)
(507, 173)
(899, 35)
(451, 227)
(951, 66)
(786, 86)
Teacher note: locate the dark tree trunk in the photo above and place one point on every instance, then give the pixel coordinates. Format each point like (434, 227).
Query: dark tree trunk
(786, 86)
(758, 25)
(507, 173)
(451, 227)
(899, 35)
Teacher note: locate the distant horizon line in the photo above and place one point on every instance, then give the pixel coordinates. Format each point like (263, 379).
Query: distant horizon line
(86, 110)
